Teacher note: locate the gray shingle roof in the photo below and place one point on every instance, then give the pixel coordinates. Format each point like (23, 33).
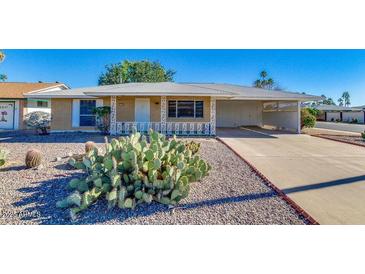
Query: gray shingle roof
(178, 89)
(163, 88)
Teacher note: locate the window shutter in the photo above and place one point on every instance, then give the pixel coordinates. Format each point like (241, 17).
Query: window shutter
(76, 113)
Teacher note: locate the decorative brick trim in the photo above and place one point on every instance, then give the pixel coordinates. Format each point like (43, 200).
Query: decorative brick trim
(336, 140)
(300, 211)
(113, 115)
(163, 113)
(212, 116)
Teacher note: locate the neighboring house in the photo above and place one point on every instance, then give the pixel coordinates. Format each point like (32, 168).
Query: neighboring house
(362, 107)
(333, 113)
(175, 108)
(14, 106)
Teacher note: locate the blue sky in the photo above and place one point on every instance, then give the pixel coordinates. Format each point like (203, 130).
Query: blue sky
(328, 72)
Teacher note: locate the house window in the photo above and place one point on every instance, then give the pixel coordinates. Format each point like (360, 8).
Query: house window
(185, 109)
(199, 109)
(42, 104)
(87, 116)
(172, 109)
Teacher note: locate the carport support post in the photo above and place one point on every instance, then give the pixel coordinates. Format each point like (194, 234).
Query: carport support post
(298, 122)
(113, 115)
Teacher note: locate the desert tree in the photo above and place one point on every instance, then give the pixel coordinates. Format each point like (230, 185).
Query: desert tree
(135, 71)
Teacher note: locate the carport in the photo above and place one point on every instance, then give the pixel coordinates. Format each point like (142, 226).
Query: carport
(278, 115)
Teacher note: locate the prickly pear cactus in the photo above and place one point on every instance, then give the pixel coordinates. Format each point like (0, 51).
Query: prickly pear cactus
(76, 160)
(89, 145)
(193, 146)
(33, 158)
(135, 170)
(3, 156)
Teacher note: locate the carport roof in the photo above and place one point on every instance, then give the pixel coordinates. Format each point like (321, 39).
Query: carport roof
(227, 91)
(251, 93)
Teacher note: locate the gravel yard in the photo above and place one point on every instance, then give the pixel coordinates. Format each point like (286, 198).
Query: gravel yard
(231, 194)
(358, 140)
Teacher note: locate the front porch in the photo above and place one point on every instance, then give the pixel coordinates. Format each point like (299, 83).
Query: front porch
(146, 116)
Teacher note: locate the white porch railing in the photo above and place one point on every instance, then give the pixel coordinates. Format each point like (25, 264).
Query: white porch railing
(168, 128)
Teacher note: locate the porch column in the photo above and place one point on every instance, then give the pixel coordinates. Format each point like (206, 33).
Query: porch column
(212, 115)
(299, 126)
(113, 115)
(163, 114)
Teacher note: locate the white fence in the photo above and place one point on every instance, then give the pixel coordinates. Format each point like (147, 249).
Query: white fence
(169, 128)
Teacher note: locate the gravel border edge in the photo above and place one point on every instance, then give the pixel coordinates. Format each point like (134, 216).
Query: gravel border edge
(336, 140)
(281, 194)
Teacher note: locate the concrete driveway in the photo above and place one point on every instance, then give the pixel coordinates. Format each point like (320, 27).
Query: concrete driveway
(326, 178)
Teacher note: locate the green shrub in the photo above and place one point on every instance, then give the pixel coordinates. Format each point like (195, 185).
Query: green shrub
(363, 135)
(39, 120)
(134, 171)
(103, 119)
(307, 119)
(315, 112)
(3, 156)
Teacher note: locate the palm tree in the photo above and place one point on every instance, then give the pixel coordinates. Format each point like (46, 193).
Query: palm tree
(3, 77)
(2, 56)
(263, 74)
(263, 82)
(257, 83)
(270, 83)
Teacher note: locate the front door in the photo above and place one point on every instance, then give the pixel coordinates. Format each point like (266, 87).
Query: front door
(142, 110)
(7, 115)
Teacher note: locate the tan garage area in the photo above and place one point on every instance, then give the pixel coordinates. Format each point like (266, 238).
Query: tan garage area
(279, 115)
(237, 113)
(326, 178)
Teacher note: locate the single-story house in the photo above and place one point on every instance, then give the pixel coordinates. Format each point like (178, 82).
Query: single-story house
(174, 108)
(14, 106)
(333, 113)
(361, 107)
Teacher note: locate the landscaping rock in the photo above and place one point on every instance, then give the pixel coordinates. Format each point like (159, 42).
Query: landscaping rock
(231, 194)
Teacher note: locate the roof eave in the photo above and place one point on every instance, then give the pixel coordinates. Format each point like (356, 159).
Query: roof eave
(303, 99)
(45, 89)
(40, 96)
(153, 94)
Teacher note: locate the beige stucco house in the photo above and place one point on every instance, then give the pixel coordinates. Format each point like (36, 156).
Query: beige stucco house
(14, 105)
(175, 108)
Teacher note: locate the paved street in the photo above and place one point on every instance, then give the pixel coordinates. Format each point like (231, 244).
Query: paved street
(341, 126)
